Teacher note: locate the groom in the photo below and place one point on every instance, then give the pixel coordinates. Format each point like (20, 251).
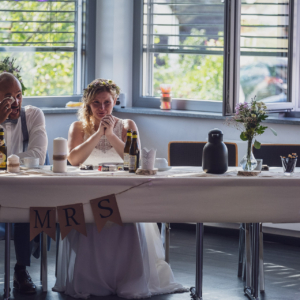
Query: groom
(25, 136)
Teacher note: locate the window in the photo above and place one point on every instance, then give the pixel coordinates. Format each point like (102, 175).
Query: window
(182, 44)
(264, 46)
(45, 38)
(214, 52)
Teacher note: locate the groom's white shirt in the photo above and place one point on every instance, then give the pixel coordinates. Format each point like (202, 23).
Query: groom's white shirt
(38, 141)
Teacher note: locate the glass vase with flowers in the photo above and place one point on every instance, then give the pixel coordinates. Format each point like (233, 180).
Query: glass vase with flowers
(248, 118)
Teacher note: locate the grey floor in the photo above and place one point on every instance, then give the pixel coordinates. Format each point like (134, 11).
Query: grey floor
(282, 269)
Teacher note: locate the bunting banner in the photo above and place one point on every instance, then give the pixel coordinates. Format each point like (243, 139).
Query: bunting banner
(71, 217)
(42, 219)
(106, 209)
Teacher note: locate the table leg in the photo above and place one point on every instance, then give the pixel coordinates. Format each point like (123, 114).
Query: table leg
(241, 250)
(7, 262)
(196, 293)
(261, 260)
(252, 292)
(248, 254)
(44, 271)
(167, 242)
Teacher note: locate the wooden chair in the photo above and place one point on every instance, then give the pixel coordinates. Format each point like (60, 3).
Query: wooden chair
(190, 154)
(270, 153)
(185, 153)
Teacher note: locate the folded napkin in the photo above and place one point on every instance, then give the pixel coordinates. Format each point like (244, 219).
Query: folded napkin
(148, 158)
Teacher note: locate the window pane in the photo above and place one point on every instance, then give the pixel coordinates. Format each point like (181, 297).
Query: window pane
(183, 45)
(45, 73)
(44, 33)
(264, 50)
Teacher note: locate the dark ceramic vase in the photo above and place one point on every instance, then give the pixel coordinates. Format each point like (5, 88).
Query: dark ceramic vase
(215, 153)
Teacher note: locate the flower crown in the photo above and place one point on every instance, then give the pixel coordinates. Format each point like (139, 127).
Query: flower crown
(98, 83)
(8, 66)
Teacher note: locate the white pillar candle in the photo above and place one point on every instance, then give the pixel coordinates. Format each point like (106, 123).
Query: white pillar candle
(60, 155)
(13, 164)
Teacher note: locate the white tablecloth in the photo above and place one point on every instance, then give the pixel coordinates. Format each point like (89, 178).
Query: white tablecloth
(183, 194)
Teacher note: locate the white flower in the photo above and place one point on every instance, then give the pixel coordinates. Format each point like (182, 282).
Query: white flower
(253, 115)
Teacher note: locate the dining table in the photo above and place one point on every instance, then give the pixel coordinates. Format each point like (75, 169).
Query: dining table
(177, 195)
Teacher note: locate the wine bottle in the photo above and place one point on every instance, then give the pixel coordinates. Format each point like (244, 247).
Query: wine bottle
(126, 150)
(134, 154)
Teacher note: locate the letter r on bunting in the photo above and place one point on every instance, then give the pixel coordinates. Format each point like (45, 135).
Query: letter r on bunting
(42, 219)
(69, 217)
(106, 209)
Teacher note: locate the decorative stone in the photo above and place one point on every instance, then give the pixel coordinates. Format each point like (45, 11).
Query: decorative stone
(248, 173)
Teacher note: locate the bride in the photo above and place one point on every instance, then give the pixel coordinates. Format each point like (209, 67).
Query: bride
(128, 260)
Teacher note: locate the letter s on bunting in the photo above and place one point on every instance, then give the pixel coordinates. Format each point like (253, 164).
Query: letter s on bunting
(106, 209)
(42, 219)
(69, 217)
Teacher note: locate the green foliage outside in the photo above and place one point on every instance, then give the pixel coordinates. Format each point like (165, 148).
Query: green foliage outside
(44, 73)
(192, 76)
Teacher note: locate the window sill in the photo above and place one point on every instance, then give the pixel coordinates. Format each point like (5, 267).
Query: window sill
(59, 110)
(275, 119)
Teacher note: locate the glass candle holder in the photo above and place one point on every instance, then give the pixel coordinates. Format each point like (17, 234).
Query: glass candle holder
(288, 165)
(165, 97)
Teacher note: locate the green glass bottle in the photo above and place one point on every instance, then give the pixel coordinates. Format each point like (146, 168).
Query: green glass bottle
(3, 151)
(134, 154)
(126, 150)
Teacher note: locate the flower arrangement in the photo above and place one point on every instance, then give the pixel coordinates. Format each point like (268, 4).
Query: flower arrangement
(98, 83)
(248, 117)
(8, 65)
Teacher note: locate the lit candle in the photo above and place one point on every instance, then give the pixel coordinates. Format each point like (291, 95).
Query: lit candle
(60, 155)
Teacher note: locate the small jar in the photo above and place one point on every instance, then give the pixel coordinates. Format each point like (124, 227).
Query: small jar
(13, 164)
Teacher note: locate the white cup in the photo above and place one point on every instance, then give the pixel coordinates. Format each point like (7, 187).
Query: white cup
(31, 162)
(259, 164)
(160, 163)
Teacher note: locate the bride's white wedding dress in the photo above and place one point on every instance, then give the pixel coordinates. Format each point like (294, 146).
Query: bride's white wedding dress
(125, 260)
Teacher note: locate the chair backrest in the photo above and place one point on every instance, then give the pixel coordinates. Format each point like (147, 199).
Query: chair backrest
(270, 153)
(190, 154)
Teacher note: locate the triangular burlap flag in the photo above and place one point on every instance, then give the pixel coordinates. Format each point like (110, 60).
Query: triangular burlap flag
(106, 209)
(42, 219)
(71, 217)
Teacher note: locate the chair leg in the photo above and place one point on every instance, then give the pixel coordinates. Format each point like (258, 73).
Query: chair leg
(241, 249)
(44, 271)
(57, 246)
(261, 260)
(167, 242)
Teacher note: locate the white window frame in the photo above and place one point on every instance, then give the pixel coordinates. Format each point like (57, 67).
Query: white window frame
(231, 64)
(84, 57)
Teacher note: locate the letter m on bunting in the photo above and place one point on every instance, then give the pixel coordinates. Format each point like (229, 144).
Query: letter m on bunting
(42, 219)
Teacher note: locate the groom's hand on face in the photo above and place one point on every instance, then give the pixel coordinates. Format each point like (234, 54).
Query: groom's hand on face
(5, 109)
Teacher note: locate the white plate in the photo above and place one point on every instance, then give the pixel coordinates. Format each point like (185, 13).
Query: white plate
(164, 169)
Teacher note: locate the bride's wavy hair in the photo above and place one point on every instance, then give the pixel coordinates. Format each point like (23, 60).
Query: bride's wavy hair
(85, 114)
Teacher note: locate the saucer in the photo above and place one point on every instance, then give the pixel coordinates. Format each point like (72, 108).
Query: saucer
(164, 169)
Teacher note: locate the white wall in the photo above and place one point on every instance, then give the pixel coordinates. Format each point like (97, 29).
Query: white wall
(158, 131)
(57, 125)
(114, 43)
